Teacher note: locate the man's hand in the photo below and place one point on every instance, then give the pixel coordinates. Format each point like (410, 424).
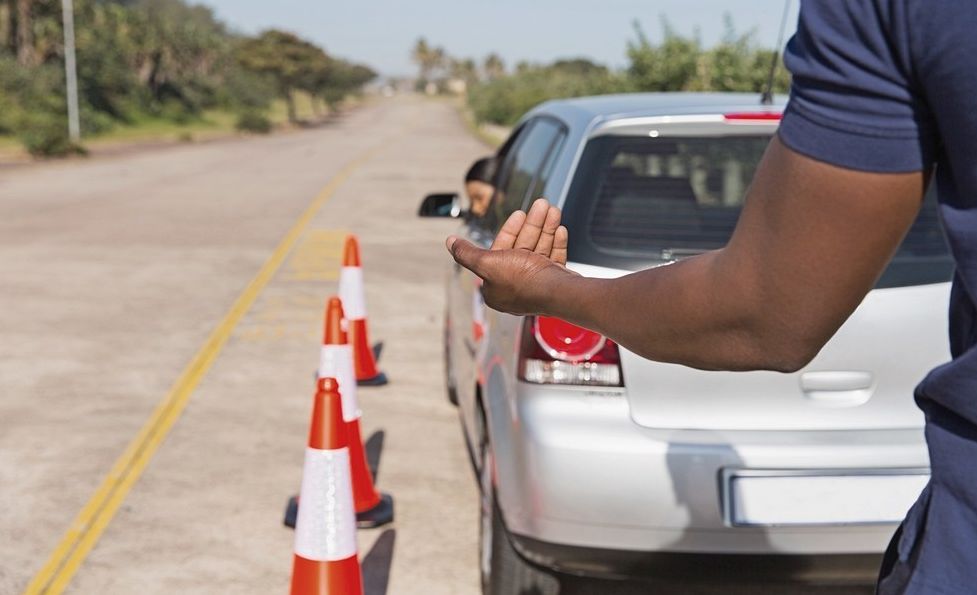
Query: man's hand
(526, 261)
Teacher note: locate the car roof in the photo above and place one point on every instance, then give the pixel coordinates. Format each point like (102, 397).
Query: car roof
(582, 111)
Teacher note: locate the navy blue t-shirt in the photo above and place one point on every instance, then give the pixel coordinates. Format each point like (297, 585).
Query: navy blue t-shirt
(891, 86)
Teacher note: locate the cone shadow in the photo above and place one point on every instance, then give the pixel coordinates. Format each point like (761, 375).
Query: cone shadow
(376, 564)
(374, 448)
(377, 351)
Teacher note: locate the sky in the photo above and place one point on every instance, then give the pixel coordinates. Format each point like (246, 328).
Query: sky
(381, 33)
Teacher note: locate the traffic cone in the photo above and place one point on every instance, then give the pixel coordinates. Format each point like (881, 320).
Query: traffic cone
(325, 561)
(373, 508)
(354, 301)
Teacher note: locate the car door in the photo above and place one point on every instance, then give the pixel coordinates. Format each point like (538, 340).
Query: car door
(524, 156)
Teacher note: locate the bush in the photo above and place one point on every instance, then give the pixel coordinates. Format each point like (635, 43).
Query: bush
(44, 135)
(253, 121)
(504, 100)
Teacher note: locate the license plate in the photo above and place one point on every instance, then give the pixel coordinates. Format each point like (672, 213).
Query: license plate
(806, 498)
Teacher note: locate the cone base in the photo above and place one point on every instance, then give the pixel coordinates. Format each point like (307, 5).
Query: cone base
(379, 515)
(379, 380)
(311, 577)
(291, 512)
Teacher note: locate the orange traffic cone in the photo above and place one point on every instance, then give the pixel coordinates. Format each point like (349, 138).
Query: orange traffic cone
(372, 508)
(326, 561)
(354, 301)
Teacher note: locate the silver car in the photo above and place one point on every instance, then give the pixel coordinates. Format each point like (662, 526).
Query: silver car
(594, 461)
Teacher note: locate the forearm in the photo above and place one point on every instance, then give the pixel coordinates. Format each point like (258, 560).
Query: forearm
(702, 312)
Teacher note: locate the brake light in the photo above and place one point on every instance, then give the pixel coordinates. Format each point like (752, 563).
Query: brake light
(752, 116)
(554, 351)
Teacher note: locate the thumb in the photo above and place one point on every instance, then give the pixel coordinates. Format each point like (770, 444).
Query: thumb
(467, 254)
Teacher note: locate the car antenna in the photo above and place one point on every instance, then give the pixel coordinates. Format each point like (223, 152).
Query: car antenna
(767, 97)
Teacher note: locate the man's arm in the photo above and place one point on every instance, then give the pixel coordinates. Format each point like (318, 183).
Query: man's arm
(811, 242)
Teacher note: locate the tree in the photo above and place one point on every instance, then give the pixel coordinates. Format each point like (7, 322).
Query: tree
(288, 60)
(7, 24)
(494, 67)
(340, 79)
(25, 33)
(465, 70)
(671, 66)
(427, 58)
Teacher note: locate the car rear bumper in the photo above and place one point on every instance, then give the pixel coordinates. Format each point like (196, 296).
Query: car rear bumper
(576, 471)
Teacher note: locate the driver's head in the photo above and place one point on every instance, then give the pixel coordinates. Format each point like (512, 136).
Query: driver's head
(479, 185)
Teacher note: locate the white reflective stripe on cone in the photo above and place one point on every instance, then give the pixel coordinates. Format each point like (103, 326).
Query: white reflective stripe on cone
(325, 527)
(336, 361)
(351, 292)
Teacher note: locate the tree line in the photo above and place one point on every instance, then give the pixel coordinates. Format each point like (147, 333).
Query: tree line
(141, 59)
(499, 95)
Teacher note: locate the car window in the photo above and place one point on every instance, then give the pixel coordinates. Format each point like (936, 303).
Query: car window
(638, 201)
(521, 168)
(539, 186)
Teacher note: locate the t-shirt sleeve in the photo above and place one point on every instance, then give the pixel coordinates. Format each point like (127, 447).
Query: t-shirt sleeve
(853, 99)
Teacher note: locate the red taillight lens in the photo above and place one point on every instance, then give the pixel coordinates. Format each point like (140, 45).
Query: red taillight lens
(554, 351)
(565, 341)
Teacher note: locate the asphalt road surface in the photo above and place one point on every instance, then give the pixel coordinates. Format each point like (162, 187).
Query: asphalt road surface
(119, 273)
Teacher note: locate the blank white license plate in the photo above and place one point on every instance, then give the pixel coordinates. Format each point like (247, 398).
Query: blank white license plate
(778, 500)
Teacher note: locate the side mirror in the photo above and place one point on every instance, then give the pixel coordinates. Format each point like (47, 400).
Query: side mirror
(440, 205)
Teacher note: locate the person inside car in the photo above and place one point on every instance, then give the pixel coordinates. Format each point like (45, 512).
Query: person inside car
(881, 102)
(479, 185)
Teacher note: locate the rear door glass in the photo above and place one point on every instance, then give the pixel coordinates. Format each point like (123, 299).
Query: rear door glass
(523, 167)
(639, 201)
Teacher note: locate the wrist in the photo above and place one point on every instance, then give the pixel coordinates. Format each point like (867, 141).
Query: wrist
(571, 297)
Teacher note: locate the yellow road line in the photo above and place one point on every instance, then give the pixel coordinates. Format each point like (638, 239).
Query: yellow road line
(85, 530)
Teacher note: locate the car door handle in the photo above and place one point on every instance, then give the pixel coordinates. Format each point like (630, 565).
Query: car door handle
(838, 388)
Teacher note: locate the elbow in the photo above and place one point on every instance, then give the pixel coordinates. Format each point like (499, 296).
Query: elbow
(783, 350)
(791, 361)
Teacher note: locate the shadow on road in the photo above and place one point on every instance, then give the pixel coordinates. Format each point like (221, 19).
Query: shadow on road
(374, 448)
(583, 587)
(376, 564)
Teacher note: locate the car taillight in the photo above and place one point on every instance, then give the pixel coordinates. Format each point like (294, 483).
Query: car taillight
(554, 351)
(747, 117)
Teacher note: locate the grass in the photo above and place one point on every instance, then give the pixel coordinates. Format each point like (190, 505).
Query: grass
(148, 129)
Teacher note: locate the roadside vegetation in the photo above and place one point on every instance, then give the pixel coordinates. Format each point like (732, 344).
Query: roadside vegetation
(150, 67)
(499, 96)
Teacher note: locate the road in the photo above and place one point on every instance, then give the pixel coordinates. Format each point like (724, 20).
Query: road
(116, 271)
(119, 273)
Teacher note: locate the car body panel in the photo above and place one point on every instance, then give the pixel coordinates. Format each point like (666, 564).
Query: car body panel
(854, 383)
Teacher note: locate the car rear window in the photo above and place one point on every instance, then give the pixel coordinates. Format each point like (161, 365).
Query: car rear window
(641, 201)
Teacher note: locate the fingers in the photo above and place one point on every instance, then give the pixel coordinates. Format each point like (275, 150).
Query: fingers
(532, 227)
(506, 237)
(467, 255)
(561, 240)
(546, 239)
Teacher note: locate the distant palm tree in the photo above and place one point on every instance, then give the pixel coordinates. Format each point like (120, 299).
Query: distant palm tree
(427, 58)
(465, 70)
(494, 66)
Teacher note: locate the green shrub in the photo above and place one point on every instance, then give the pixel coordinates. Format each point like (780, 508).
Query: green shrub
(253, 121)
(504, 100)
(44, 135)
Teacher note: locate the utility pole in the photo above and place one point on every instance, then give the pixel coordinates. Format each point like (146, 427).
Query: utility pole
(71, 69)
